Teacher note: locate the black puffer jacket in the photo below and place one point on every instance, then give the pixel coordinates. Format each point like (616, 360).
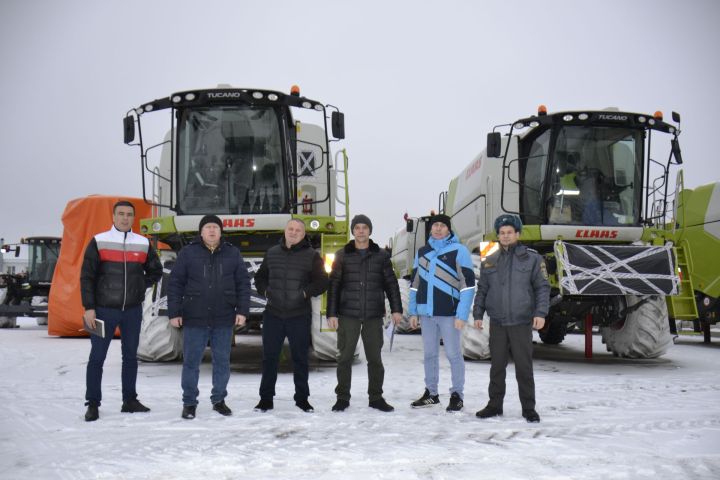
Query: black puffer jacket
(359, 283)
(209, 288)
(289, 277)
(117, 269)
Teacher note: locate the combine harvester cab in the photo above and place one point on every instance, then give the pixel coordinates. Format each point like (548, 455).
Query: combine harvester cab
(245, 156)
(595, 205)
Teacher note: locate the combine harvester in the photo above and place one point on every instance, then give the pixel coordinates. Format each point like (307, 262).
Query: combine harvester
(240, 154)
(595, 204)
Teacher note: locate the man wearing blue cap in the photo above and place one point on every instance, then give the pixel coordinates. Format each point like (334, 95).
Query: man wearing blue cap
(514, 291)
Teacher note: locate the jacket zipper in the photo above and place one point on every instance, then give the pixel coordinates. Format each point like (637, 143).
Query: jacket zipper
(124, 271)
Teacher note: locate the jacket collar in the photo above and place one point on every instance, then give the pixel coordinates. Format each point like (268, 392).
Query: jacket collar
(304, 243)
(350, 247)
(443, 242)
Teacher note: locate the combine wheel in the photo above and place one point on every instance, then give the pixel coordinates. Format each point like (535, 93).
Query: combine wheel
(554, 334)
(645, 333)
(159, 341)
(475, 343)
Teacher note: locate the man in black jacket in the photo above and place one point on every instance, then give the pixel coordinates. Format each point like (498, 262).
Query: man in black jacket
(208, 294)
(361, 277)
(117, 268)
(291, 273)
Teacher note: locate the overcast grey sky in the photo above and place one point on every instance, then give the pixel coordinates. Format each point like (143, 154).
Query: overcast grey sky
(420, 83)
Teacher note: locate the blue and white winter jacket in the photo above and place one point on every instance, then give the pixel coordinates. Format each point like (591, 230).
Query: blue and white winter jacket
(443, 282)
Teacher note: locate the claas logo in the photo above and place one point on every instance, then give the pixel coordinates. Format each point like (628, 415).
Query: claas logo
(595, 233)
(238, 222)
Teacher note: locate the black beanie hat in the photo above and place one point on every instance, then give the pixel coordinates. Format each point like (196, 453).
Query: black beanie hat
(442, 218)
(360, 218)
(210, 219)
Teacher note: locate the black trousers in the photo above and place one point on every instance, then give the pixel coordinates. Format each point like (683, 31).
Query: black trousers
(513, 340)
(349, 331)
(274, 332)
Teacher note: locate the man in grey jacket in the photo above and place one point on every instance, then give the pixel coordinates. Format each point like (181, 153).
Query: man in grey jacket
(514, 291)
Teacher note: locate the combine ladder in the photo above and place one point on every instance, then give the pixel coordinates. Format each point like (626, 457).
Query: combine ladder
(682, 306)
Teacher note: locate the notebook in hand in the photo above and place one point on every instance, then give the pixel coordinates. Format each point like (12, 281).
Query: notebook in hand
(99, 329)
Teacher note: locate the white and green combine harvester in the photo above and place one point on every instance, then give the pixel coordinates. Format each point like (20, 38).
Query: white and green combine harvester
(245, 156)
(594, 202)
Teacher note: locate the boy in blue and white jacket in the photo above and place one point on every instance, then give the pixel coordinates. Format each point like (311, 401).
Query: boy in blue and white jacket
(441, 293)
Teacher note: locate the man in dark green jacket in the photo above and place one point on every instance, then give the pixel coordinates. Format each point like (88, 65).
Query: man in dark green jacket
(361, 277)
(514, 291)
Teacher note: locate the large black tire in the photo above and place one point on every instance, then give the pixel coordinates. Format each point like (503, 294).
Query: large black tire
(645, 333)
(554, 334)
(159, 341)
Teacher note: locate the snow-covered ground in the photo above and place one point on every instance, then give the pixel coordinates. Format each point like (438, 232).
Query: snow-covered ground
(606, 418)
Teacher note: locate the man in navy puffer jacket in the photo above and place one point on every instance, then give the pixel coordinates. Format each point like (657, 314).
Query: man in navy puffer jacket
(208, 294)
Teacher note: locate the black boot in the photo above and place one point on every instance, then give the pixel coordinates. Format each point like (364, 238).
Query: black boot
(489, 412)
(133, 406)
(340, 405)
(264, 405)
(531, 415)
(92, 413)
(188, 412)
(222, 408)
(304, 405)
(381, 405)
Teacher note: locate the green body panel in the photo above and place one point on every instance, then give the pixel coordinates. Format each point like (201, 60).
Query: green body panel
(702, 247)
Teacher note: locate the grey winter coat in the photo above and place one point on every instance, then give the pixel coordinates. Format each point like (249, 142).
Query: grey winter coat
(513, 287)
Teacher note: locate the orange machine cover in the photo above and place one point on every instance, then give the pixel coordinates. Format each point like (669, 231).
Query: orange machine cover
(82, 219)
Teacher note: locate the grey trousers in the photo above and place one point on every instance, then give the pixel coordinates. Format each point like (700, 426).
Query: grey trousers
(513, 340)
(349, 331)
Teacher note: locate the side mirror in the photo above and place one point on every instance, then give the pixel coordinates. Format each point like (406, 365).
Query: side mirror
(494, 143)
(128, 129)
(676, 151)
(676, 117)
(337, 121)
(410, 225)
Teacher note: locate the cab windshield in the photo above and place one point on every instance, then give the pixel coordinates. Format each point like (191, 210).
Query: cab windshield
(595, 177)
(230, 161)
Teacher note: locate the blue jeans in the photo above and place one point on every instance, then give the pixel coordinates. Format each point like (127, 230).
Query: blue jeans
(434, 329)
(129, 322)
(195, 339)
(274, 332)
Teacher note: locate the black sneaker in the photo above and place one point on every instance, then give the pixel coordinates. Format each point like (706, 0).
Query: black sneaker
(426, 400)
(304, 405)
(381, 405)
(92, 413)
(340, 406)
(222, 408)
(264, 405)
(531, 416)
(188, 412)
(133, 406)
(489, 412)
(456, 403)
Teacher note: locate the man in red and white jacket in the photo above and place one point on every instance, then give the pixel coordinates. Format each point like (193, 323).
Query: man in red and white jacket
(118, 267)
